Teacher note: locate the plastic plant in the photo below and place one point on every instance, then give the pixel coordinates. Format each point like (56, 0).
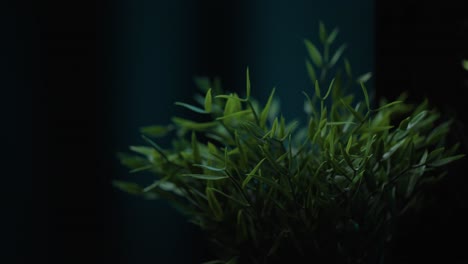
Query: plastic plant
(267, 190)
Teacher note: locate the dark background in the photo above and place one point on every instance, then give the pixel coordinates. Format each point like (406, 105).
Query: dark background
(79, 78)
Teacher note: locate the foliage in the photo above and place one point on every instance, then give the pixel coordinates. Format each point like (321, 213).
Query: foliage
(267, 190)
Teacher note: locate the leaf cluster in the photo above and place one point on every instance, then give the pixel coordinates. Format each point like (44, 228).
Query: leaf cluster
(266, 189)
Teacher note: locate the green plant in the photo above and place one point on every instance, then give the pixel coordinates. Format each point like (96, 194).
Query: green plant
(267, 190)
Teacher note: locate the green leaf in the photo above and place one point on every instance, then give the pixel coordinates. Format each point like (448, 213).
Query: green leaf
(347, 68)
(235, 114)
(444, 161)
(388, 105)
(329, 89)
(146, 151)
(392, 150)
(214, 204)
(317, 90)
(416, 119)
(438, 133)
(352, 111)
(465, 64)
(435, 153)
(332, 36)
(191, 125)
(339, 123)
(366, 95)
(203, 83)
(322, 33)
(191, 107)
(208, 101)
(129, 187)
(229, 197)
(155, 131)
(251, 174)
(266, 109)
(364, 78)
(311, 71)
(205, 176)
(247, 83)
(313, 53)
(195, 148)
(210, 168)
(336, 56)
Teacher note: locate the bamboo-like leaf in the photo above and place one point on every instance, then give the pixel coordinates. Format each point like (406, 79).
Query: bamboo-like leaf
(214, 204)
(332, 36)
(416, 119)
(357, 115)
(191, 107)
(337, 55)
(195, 148)
(155, 131)
(438, 133)
(465, 64)
(251, 174)
(310, 71)
(317, 90)
(205, 176)
(191, 125)
(433, 155)
(339, 123)
(388, 105)
(330, 87)
(229, 197)
(447, 160)
(364, 78)
(129, 187)
(347, 68)
(366, 95)
(235, 114)
(266, 109)
(313, 53)
(392, 150)
(208, 101)
(322, 33)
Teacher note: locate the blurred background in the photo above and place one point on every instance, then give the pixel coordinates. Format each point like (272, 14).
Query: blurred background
(86, 75)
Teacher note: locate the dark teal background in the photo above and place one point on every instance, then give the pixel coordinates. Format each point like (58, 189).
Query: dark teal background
(156, 49)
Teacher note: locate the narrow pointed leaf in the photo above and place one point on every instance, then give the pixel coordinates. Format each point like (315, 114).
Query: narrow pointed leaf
(313, 53)
(311, 71)
(208, 101)
(445, 161)
(251, 174)
(191, 107)
(364, 78)
(205, 176)
(337, 55)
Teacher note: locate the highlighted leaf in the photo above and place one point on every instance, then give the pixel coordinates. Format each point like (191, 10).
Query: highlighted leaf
(208, 101)
(445, 161)
(191, 107)
(251, 174)
(313, 53)
(366, 95)
(311, 71)
(336, 56)
(364, 78)
(332, 36)
(264, 114)
(205, 176)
